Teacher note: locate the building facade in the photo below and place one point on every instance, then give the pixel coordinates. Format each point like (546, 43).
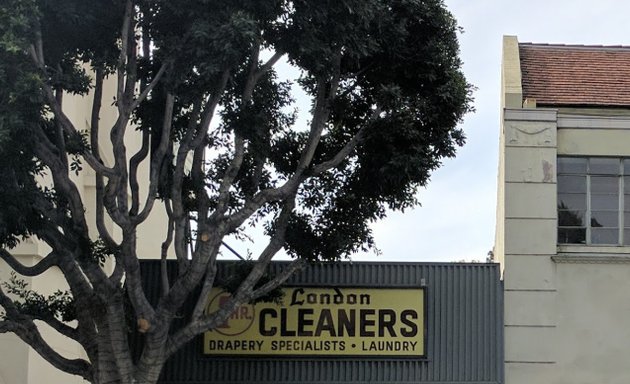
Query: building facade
(563, 212)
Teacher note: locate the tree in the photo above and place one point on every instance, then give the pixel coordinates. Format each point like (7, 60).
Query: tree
(196, 79)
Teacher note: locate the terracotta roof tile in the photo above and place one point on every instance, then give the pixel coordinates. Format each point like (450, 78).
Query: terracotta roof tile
(576, 75)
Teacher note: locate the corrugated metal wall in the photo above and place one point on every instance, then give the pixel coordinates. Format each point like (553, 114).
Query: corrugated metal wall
(464, 331)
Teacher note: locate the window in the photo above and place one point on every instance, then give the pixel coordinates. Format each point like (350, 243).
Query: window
(593, 201)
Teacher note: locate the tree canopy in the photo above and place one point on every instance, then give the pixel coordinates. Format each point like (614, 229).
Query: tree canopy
(196, 81)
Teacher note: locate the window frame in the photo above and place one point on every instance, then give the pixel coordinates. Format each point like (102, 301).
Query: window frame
(622, 222)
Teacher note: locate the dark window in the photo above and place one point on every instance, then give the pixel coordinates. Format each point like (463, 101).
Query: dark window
(593, 201)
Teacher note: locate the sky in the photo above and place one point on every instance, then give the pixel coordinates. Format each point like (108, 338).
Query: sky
(456, 219)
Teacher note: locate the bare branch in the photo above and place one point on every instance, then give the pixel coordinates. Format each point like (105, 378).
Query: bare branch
(62, 181)
(245, 291)
(181, 235)
(205, 254)
(145, 92)
(131, 68)
(239, 141)
(177, 209)
(116, 191)
(326, 91)
(36, 52)
(118, 273)
(24, 327)
(122, 58)
(325, 94)
(165, 245)
(133, 278)
(229, 176)
(58, 326)
(279, 279)
(208, 113)
(39, 43)
(28, 332)
(208, 283)
(43, 265)
(80, 273)
(59, 131)
(96, 112)
(275, 244)
(64, 120)
(157, 160)
(109, 199)
(192, 141)
(346, 150)
(268, 65)
(134, 163)
(95, 146)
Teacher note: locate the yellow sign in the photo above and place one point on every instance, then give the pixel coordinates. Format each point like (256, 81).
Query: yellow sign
(323, 321)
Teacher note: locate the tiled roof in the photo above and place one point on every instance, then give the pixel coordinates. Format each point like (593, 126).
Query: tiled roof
(576, 75)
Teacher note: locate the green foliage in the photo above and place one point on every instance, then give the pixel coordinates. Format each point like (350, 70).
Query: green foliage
(80, 30)
(99, 252)
(21, 110)
(59, 305)
(401, 56)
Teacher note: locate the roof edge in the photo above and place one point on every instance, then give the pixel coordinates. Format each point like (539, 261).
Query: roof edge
(575, 46)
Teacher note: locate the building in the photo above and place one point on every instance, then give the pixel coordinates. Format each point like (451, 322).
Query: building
(563, 214)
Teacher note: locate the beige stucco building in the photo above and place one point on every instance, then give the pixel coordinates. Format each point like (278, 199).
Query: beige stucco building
(563, 214)
(20, 364)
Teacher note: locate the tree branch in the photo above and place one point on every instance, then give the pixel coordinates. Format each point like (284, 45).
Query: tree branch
(27, 331)
(134, 163)
(245, 291)
(145, 92)
(326, 91)
(133, 277)
(58, 326)
(157, 160)
(239, 142)
(122, 58)
(61, 116)
(164, 250)
(95, 146)
(62, 181)
(279, 279)
(190, 141)
(268, 65)
(208, 283)
(24, 327)
(346, 150)
(275, 244)
(43, 265)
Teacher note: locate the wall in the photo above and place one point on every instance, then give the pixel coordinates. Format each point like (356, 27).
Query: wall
(529, 228)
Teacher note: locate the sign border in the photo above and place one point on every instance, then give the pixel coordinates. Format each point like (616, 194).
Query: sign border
(266, 357)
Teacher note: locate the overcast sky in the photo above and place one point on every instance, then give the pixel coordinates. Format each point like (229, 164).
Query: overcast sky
(457, 218)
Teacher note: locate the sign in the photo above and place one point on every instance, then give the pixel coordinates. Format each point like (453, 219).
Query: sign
(323, 322)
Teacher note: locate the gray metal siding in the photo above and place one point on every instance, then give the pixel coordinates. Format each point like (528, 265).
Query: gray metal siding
(464, 331)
